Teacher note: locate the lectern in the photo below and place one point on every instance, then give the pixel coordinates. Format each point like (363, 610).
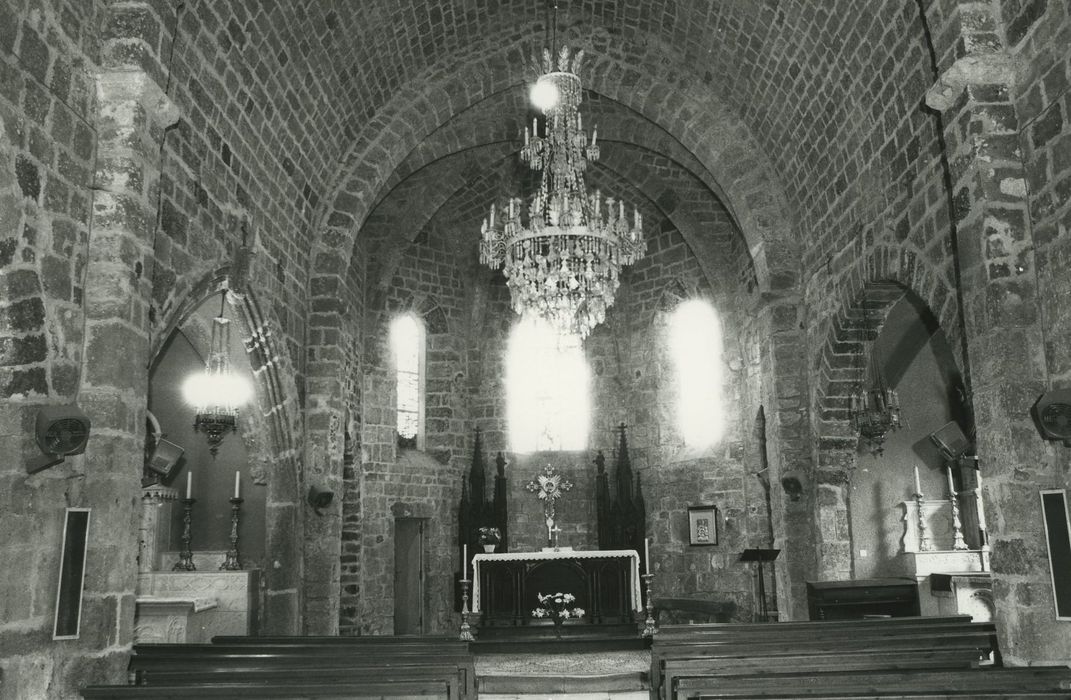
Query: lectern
(759, 556)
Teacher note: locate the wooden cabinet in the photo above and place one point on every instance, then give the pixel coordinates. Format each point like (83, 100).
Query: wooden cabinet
(853, 600)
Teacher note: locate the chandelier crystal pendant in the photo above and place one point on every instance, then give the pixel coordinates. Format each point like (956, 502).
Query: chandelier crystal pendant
(217, 393)
(562, 254)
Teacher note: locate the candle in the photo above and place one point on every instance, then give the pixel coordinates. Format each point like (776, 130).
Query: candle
(647, 554)
(189, 484)
(236, 482)
(918, 484)
(951, 483)
(464, 561)
(981, 503)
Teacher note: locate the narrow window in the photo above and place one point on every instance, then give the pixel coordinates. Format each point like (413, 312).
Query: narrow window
(407, 341)
(695, 343)
(547, 389)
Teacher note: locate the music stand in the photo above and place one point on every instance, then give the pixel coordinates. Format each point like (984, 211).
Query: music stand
(759, 556)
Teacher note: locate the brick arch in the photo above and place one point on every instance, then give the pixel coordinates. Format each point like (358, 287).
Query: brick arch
(693, 115)
(277, 419)
(883, 277)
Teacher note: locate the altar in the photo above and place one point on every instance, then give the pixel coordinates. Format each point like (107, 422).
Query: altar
(606, 584)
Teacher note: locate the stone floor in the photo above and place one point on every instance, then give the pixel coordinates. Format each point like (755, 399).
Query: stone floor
(610, 675)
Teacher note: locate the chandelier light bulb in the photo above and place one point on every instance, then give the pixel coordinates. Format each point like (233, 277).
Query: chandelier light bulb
(544, 95)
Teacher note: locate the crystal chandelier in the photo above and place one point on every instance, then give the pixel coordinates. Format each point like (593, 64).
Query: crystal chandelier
(217, 393)
(874, 412)
(563, 253)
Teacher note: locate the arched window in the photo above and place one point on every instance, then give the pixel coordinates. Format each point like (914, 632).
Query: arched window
(407, 342)
(547, 381)
(695, 343)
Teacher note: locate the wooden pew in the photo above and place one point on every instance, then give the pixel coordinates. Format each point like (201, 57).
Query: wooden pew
(353, 690)
(907, 683)
(879, 644)
(301, 667)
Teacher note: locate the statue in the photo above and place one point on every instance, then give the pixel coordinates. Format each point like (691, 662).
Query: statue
(549, 486)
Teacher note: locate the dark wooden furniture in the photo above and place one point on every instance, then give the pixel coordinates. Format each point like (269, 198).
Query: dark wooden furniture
(602, 585)
(300, 667)
(714, 651)
(854, 600)
(694, 609)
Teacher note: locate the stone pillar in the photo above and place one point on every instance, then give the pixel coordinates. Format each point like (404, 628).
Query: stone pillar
(1004, 328)
(132, 114)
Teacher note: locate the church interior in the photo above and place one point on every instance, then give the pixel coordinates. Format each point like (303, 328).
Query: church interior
(385, 319)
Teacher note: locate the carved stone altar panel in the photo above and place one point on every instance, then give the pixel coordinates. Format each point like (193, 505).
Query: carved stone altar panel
(194, 606)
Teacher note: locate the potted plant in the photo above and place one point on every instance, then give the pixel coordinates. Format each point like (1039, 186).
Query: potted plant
(556, 606)
(489, 537)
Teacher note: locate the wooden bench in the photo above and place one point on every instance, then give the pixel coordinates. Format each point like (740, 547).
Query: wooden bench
(865, 644)
(906, 683)
(356, 690)
(301, 667)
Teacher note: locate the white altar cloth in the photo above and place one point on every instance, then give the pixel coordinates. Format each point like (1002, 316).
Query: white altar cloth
(634, 570)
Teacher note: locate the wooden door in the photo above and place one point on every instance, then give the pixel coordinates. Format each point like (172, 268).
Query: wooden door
(409, 576)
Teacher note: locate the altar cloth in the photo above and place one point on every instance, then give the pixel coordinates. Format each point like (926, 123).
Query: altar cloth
(634, 569)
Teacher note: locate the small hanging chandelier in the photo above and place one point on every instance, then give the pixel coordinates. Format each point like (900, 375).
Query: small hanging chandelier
(874, 412)
(563, 253)
(217, 393)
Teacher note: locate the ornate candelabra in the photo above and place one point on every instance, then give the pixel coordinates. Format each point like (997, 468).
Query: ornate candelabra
(649, 624)
(925, 543)
(185, 562)
(957, 526)
(232, 563)
(466, 631)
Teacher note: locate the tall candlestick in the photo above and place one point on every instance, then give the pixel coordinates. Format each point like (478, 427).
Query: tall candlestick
(465, 561)
(918, 484)
(951, 483)
(646, 555)
(236, 482)
(189, 484)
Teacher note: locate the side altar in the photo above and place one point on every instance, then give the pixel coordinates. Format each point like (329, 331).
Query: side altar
(606, 584)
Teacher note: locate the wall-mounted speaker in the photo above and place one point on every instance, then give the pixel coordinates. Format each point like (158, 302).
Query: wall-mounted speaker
(1052, 414)
(61, 431)
(951, 441)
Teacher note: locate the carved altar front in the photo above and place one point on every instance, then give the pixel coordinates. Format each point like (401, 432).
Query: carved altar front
(606, 584)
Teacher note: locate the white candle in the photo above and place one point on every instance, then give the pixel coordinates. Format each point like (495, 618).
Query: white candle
(189, 484)
(981, 503)
(236, 482)
(918, 484)
(647, 554)
(951, 483)
(464, 561)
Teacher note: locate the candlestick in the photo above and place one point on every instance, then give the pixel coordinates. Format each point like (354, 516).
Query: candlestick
(231, 563)
(918, 484)
(466, 630)
(925, 544)
(189, 484)
(646, 555)
(185, 562)
(237, 481)
(649, 624)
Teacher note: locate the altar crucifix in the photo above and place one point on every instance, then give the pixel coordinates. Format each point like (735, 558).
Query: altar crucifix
(549, 486)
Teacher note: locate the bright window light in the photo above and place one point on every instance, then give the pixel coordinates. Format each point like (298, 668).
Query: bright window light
(407, 342)
(695, 342)
(547, 382)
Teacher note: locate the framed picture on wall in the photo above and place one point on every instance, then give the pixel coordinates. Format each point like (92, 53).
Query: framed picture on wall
(702, 525)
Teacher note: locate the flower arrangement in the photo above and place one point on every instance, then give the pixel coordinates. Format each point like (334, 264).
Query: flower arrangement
(489, 535)
(556, 607)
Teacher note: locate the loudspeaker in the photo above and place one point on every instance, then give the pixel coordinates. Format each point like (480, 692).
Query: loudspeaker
(1052, 414)
(951, 441)
(60, 431)
(320, 498)
(165, 458)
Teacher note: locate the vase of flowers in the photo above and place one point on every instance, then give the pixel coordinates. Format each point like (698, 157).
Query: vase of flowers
(559, 608)
(489, 537)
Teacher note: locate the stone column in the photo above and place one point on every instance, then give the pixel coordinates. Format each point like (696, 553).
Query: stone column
(132, 114)
(1004, 328)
